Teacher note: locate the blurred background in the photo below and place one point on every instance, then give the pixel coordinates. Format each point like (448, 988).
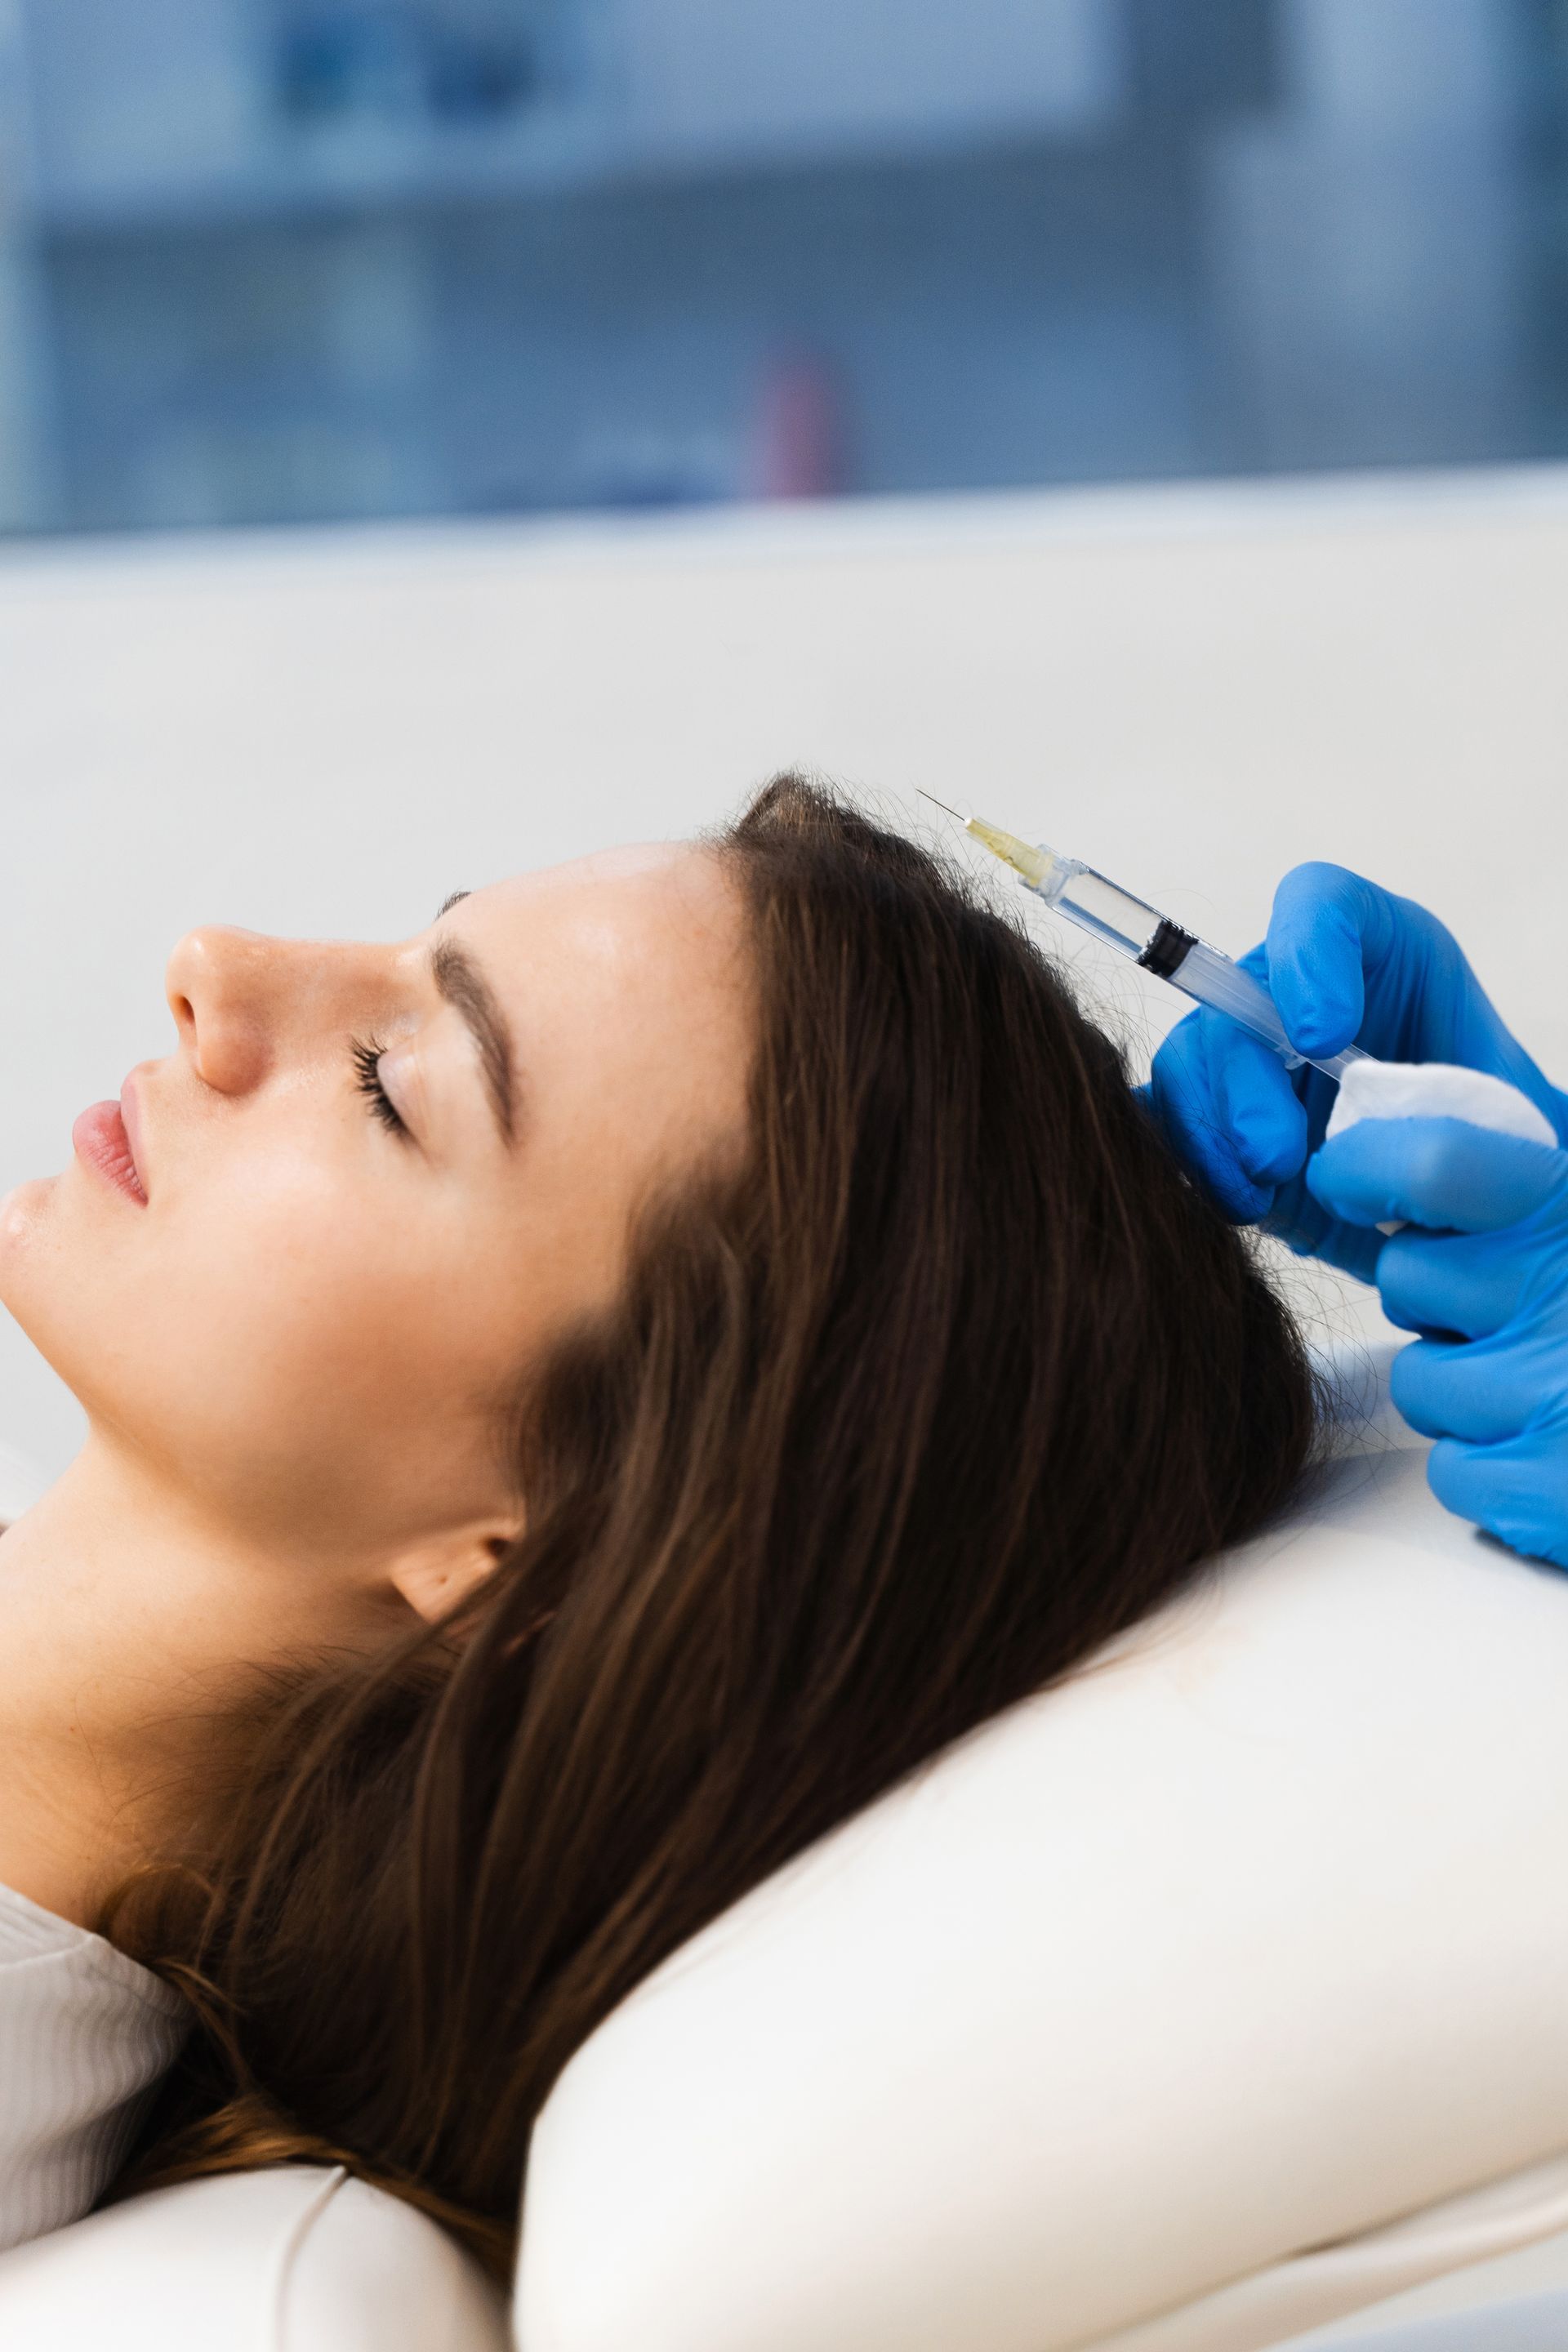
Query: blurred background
(280, 260)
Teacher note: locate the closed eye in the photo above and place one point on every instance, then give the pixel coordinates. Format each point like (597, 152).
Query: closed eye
(366, 1055)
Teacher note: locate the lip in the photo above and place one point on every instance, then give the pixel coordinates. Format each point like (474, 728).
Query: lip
(131, 1112)
(104, 1138)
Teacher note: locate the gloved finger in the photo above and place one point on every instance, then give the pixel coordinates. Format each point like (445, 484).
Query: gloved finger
(1466, 1389)
(1469, 1282)
(1445, 1173)
(1517, 1490)
(1181, 1098)
(1298, 1220)
(1327, 925)
(1256, 1105)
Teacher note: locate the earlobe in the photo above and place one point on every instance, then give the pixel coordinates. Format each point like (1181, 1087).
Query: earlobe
(435, 1578)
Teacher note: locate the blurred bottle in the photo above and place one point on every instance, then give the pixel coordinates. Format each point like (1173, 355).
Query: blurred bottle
(338, 62)
(798, 437)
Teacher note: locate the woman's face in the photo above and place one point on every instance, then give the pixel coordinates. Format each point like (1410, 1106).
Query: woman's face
(378, 1180)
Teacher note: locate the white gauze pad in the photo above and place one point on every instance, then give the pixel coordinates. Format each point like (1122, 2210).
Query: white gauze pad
(1371, 1089)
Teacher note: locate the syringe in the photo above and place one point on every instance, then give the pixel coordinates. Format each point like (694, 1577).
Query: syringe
(1133, 927)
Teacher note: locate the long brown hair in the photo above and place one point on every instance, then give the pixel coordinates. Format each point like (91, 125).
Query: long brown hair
(957, 1378)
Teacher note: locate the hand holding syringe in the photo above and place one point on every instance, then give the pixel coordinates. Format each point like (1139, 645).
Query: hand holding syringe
(1478, 1262)
(1133, 927)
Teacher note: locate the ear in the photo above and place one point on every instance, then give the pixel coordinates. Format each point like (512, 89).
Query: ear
(434, 1577)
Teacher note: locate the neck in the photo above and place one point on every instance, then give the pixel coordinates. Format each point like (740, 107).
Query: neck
(127, 1627)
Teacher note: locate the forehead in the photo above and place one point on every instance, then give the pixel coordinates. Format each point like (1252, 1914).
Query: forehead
(627, 981)
(646, 908)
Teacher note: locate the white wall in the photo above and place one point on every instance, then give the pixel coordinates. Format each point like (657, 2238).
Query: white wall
(1193, 688)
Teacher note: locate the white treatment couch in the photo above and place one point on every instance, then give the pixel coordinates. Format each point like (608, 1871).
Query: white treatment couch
(1186, 2008)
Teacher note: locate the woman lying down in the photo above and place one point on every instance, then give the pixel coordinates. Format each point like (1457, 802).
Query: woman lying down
(580, 1403)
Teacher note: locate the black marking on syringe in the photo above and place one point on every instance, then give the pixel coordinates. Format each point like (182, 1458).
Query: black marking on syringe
(1167, 949)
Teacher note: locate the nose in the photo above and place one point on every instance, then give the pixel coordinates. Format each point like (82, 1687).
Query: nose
(223, 987)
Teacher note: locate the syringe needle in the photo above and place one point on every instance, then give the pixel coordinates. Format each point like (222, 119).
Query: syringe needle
(1033, 862)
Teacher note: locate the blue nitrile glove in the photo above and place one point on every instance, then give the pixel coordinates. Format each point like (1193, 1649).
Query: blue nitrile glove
(1346, 963)
(1490, 1276)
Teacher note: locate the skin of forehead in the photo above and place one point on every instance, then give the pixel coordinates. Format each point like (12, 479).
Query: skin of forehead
(640, 889)
(652, 934)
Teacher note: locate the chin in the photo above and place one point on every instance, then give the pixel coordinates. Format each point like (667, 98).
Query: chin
(22, 1210)
(36, 1262)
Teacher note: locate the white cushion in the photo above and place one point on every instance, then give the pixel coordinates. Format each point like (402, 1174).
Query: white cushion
(297, 2259)
(1246, 1942)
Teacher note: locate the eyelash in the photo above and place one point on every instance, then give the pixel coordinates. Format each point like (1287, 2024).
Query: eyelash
(366, 1056)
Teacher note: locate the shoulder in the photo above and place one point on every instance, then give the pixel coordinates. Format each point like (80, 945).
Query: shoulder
(84, 2035)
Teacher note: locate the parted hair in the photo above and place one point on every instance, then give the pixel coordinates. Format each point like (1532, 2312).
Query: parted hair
(954, 1378)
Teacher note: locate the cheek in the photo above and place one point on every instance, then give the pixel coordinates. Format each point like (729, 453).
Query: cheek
(285, 1333)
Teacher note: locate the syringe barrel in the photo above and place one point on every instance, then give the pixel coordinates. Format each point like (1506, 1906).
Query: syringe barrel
(1098, 905)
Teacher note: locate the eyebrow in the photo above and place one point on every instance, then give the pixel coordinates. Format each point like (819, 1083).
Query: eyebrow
(461, 982)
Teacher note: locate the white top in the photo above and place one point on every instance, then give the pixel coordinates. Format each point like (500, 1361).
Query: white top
(84, 2035)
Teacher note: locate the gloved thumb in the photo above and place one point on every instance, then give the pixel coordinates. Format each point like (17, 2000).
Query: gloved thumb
(1444, 1173)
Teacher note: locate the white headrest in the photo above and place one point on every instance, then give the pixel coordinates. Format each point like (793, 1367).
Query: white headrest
(1248, 1940)
(1374, 1090)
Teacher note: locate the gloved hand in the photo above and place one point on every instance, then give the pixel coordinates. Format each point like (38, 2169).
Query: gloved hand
(1346, 963)
(1493, 1270)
